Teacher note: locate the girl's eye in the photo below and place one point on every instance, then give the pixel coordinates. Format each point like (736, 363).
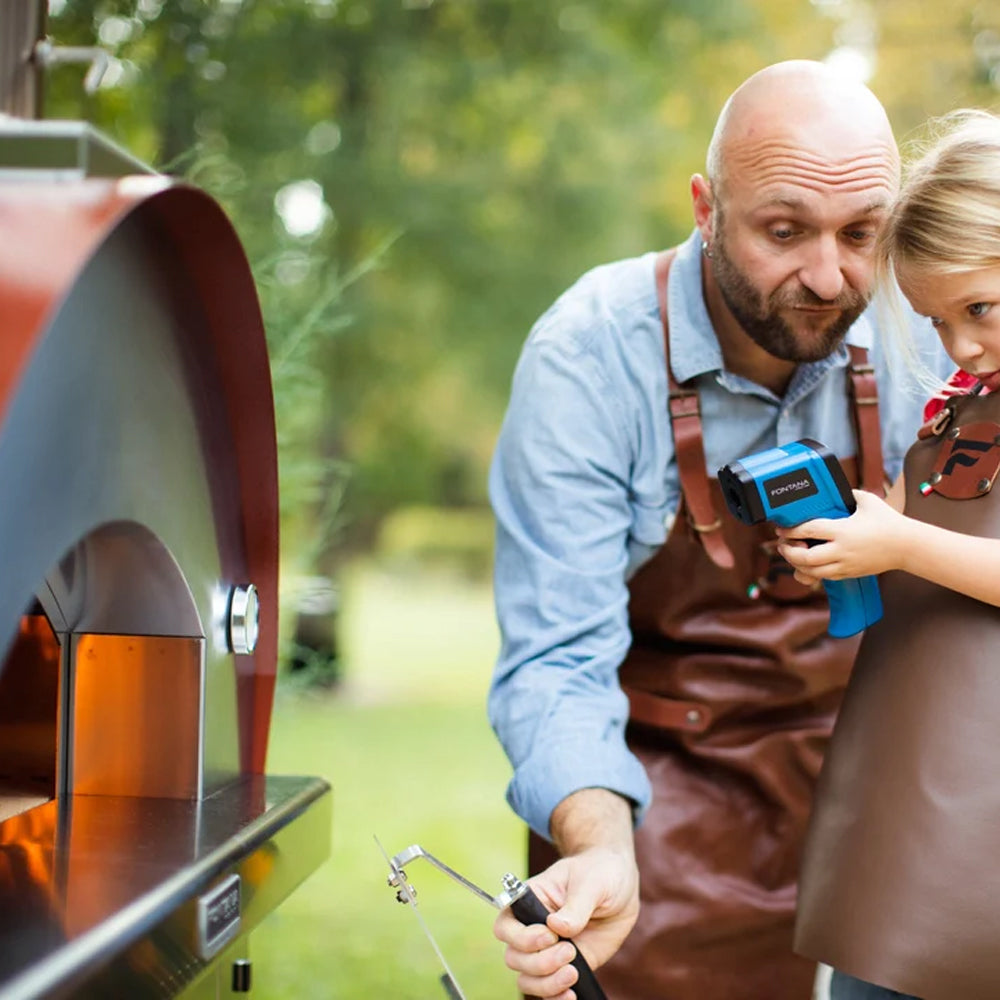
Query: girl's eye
(936, 321)
(978, 309)
(783, 233)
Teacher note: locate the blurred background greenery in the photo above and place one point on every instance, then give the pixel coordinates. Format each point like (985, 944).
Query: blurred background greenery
(414, 181)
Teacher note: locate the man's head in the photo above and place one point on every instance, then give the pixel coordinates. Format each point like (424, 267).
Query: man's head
(802, 171)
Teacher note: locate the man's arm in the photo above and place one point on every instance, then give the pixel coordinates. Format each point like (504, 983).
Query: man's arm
(560, 490)
(560, 485)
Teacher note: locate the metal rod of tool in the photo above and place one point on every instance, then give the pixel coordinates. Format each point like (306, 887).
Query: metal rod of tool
(405, 893)
(416, 851)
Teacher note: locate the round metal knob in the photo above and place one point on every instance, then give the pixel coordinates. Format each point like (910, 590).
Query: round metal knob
(244, 619)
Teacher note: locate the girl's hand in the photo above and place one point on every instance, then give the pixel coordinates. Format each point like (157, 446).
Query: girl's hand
(872, 540)
(800, 574)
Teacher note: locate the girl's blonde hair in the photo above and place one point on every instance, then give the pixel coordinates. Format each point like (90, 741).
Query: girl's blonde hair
(947, 216)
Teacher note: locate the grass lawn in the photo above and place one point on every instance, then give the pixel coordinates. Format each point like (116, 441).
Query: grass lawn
(406, 746)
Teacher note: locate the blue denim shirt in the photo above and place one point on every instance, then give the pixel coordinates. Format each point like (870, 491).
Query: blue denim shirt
(584, 488)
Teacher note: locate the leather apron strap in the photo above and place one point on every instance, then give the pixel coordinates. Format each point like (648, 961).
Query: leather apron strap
(689, 447)
(864, 395)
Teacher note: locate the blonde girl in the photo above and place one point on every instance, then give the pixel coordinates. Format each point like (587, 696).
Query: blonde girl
(900, 884)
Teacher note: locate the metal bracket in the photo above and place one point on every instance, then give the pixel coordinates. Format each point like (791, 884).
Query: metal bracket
(46, 55)
(513, 887)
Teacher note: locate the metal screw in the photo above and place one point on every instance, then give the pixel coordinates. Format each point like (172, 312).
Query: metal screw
(934, 478)
(983, 485)
(510, 882)
(954, 432)
(693, 716)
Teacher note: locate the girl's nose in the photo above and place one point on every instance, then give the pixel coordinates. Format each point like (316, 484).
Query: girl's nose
(967, 348)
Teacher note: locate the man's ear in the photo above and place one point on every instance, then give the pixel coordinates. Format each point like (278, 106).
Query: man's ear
(701, 200)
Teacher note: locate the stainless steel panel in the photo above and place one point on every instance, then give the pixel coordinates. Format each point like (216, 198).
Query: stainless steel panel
(98, 894)
(137, 715)
(15, 799)
(216, 981)
(120, 578)
(63, 150)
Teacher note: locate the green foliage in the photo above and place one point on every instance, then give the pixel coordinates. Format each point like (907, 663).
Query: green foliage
(446, 538)
(481, 154)
(409, 754)
(503, 146)
(408, 773)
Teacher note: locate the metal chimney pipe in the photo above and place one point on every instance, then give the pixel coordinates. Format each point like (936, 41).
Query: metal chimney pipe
(22, 26)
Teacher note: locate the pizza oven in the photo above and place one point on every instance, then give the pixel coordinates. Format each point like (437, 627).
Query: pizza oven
(141, 841)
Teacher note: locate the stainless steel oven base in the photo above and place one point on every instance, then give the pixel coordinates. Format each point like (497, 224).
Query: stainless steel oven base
(100, 896)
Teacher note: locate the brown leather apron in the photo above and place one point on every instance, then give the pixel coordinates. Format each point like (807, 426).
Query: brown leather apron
(733, 683)
(901, 875)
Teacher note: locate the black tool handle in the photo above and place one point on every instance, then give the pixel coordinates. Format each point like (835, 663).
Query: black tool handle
(529, 909)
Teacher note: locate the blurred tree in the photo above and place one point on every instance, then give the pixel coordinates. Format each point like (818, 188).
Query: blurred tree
(472, 158)
(929, 58)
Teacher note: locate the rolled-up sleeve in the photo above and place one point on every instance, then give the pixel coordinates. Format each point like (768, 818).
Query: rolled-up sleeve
(559, 485)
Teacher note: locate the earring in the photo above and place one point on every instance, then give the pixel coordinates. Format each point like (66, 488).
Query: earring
(706, 250)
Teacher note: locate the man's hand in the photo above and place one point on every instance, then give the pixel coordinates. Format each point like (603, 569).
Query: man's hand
(593, 892)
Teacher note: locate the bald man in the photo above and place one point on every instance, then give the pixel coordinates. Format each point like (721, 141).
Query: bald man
(665, 689)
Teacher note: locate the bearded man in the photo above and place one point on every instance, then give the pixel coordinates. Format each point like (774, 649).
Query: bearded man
(665, 689)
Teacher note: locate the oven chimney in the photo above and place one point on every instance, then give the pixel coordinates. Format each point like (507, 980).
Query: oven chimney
(23, 29)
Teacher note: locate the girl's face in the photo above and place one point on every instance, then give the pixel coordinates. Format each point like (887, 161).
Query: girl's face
(965, 311)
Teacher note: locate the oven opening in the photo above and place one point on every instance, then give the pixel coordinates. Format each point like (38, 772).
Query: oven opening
(103, 687)
(29, 715)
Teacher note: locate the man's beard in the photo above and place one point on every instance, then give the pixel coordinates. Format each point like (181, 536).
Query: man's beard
(763, 323)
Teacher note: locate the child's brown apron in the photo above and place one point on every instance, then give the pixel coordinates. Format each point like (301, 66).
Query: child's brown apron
(901, 876)
(732, 701)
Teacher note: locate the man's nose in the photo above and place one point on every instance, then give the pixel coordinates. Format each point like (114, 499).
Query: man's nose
(822, 271)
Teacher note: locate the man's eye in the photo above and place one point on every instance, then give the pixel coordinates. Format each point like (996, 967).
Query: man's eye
(860, 235)
(936, 321)
(782, 233)
(978, 309)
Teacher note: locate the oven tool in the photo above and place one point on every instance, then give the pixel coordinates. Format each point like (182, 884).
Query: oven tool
(405, 893)
(516, 894)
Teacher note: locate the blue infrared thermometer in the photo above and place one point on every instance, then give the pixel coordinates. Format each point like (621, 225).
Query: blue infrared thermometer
(794, 483)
